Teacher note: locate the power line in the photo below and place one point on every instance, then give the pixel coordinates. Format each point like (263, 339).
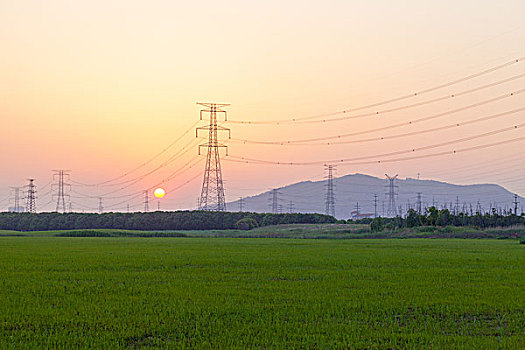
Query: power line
(346, 160)
(390, 137)
(398, 125)
(376, 104)
(143, 164)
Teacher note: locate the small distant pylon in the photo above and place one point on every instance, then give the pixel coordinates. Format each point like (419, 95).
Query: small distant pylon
(241, 204)
(100, 206)
(212, 193)
(391, 194)
(291, 207)
(16, 195)
(146, 201)
(60, 175)
(330, 197)
(274, 201)
(30, 197)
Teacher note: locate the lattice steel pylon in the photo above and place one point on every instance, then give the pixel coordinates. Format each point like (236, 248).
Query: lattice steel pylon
(330, 197)
(61, 200)
(391, 208)
(212, 193)
(31, 198)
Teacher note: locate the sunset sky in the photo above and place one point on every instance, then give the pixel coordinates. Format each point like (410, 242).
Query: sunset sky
(101, 87)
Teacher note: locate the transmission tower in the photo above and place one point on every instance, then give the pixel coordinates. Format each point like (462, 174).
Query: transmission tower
(16, 195)
(60, 175)
(146, 201)
(330, 198)
(241, 204)
(30, 197)
(391, 208)
(212, 193)
(516, 202)
(274, 201)
(291, 207)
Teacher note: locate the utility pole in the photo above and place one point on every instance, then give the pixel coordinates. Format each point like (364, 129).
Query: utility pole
(456, 209)
(391, 195)
(60, 175)
(146, 201)
(330, 198)
(100, 207)
(70, 207)
(375, 205)
(212, 193)
(516, 202)
(31, 199)
(241, 204)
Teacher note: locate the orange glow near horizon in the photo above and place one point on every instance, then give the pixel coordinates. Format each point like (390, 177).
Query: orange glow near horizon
(84, 83)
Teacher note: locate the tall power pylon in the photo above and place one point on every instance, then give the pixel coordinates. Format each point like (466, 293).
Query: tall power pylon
(330, 197)
(391, 208)
(375, 205)
(146, 201)
(60, 175)
(212, 193)
(30, 197)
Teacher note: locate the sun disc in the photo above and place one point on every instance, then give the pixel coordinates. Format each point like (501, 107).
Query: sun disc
(159, 192)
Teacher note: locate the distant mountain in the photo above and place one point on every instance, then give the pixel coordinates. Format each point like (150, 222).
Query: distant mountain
(309, 196)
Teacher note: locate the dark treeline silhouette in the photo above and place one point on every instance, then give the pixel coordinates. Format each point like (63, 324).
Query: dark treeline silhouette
(443, 218)
(177, 220)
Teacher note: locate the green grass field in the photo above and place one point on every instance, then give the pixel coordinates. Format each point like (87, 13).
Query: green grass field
(59, 292)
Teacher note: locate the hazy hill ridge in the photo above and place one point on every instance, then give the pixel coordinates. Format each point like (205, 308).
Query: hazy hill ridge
(309, 196)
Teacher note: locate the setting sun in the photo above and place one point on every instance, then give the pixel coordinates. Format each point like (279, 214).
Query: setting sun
(159, 193)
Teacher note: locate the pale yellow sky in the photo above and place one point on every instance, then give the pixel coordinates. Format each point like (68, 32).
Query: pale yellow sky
(98, 87)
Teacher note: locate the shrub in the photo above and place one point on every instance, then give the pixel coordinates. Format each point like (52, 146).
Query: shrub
(246, 224)
(376, 225)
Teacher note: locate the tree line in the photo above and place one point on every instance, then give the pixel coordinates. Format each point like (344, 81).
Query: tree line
(434, 217)
(173, 220)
